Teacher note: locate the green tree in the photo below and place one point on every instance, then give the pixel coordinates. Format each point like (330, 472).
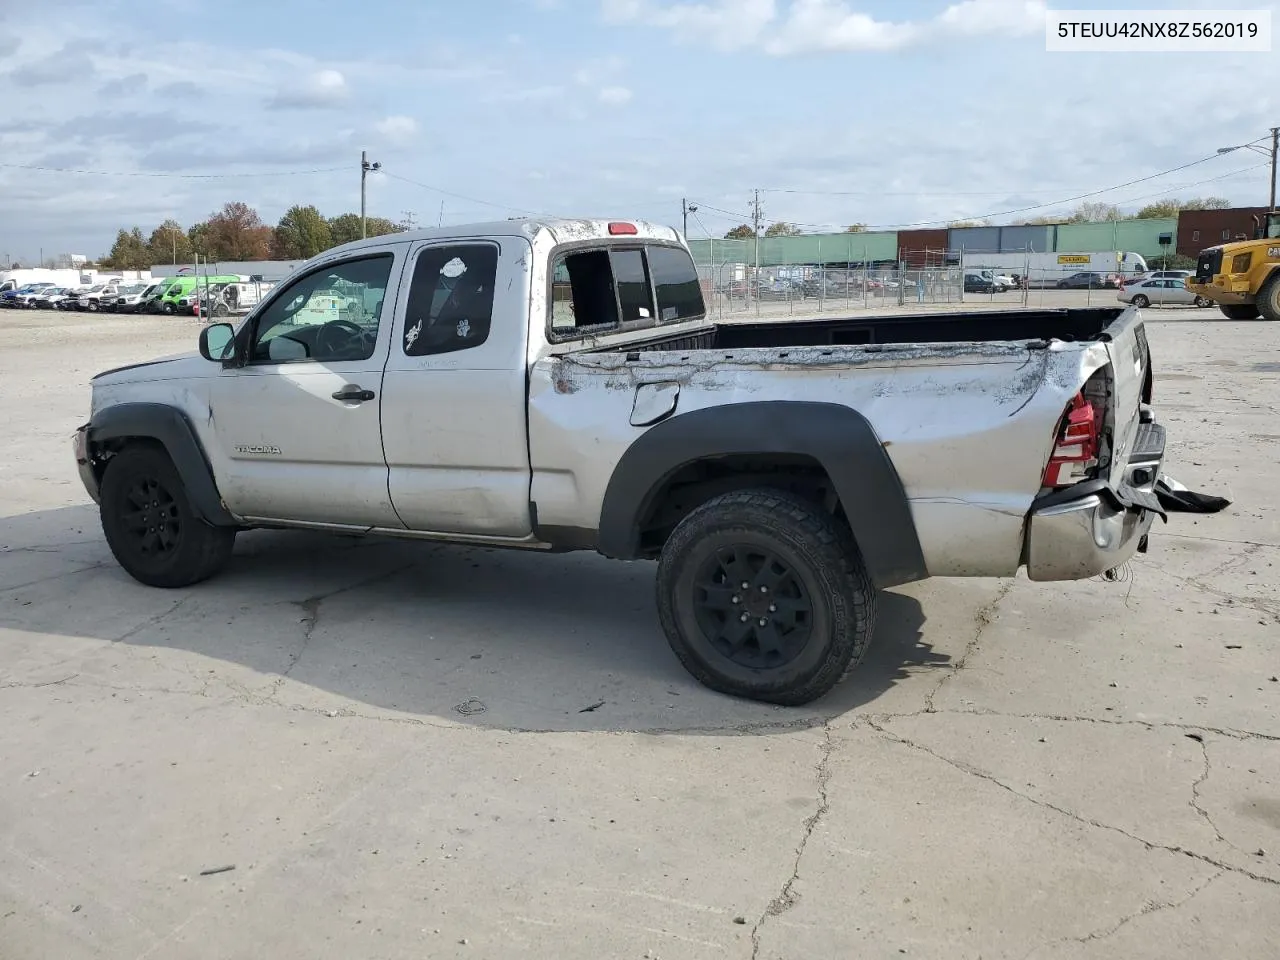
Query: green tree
(1171, 261)
(169, 243)
(346, 227)
(1171, 206)
(781, 229)
(740, 232)
(856, 228)
(129, 252)
(301, 234)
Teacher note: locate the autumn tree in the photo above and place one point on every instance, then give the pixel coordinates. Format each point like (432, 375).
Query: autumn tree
(740, 232)
(235, 232)
(961, 224)
(301, 233)
(856, 228)
(781, 229)
(129, 252)
(169, 243)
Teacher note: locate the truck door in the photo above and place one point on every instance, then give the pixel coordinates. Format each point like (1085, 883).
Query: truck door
(454, 421)
(298, 425)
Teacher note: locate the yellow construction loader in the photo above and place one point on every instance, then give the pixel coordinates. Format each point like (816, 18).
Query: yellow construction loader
(1243, 278)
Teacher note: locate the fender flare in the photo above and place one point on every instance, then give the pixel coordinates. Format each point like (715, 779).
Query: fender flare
(171, 428)
(836, 436)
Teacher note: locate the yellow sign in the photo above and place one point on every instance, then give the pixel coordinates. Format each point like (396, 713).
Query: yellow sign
(1073, 258)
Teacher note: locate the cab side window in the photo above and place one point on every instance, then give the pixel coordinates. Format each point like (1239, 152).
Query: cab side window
(450, 304)
(327, 316)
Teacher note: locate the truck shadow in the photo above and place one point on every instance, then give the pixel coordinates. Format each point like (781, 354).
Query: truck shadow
(341, 625)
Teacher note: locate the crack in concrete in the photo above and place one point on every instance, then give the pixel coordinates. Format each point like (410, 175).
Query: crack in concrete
(56, 576)
(1063, 811)
(786, 898)
(1196, 803)
(984, 618)
(1147, 909)
(1229, 732)
(150, 621)
(311, 619)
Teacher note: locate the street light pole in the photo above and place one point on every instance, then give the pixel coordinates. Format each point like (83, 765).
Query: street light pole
(365, 167)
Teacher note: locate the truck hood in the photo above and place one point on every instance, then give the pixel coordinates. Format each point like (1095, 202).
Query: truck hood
(181, 365)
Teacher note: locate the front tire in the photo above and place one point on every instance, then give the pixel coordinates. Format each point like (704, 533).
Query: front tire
(1239, 311)
(1269, 298)
(1203, 302)
(804, 618)
(150, 525)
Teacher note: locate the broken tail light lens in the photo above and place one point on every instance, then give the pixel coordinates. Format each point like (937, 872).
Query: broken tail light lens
(1075, 450)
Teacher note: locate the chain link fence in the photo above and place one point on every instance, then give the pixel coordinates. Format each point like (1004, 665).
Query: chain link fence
(733, 286)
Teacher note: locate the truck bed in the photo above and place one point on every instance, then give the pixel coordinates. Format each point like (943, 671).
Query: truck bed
(959, 327)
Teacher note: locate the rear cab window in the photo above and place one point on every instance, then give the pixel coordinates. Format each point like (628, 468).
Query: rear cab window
(622, 287)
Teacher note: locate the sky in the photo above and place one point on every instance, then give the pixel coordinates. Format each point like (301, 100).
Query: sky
(839, 111)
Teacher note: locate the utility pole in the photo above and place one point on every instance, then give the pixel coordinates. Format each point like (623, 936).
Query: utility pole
(1275, 149)
(756, 217)
(687, 208)
(365, 167)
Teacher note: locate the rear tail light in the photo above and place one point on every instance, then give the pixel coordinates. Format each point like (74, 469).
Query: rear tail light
(1075, 450)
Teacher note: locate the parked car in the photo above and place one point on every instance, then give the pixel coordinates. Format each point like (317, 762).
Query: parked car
(126, 296)
(1161, 293)
(776, 471)
(132, 299)
(1083, 281)
(50, 298)
(18, 297)
(92, 298)
(233, 299)
(978, 283)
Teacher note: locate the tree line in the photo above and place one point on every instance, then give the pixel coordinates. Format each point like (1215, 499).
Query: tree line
(1089, 212)
(236, 232)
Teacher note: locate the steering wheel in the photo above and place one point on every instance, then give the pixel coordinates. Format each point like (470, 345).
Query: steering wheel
(339, 337)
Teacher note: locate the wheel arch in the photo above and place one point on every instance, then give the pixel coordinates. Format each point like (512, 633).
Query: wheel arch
(116, 426)
(837, 438)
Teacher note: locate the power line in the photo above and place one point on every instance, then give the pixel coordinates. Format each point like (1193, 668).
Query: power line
(456, 196)
(168, 175)
(822, 226)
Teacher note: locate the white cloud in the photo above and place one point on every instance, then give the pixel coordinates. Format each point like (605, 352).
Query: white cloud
(324, 88)
(614, 95)
(809, 26)
(397, 129)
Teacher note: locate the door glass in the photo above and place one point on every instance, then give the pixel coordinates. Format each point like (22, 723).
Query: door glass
(326, 316)
(451, 299)
(676, 282)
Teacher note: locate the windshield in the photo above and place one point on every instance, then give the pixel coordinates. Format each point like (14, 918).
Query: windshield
(1272, 231)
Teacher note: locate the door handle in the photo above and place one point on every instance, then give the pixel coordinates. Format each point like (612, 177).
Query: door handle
(353, 393)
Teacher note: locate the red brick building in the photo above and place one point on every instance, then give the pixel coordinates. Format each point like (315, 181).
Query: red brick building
(1198, 229)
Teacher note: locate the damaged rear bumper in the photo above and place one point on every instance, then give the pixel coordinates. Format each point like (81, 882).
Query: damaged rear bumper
(1092, 527)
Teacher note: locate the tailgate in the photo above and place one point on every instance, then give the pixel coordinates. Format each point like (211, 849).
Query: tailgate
(1130, 362)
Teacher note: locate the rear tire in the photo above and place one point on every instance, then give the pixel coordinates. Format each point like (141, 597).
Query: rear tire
(1203, 302)
(1140, 301)
(150, 525)
(1239, 311)
(804, 619)
(1269, 298)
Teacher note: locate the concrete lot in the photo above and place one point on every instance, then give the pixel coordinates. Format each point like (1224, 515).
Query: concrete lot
(416, 751)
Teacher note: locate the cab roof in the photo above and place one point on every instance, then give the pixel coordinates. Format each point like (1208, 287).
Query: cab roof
(563, 230)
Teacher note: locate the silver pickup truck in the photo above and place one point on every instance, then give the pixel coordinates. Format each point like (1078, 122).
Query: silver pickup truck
(556, 385)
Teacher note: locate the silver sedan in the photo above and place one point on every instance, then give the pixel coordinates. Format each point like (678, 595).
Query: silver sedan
(1160, 291)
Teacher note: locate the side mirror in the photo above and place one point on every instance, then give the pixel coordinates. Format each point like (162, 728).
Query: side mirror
(218, 342)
